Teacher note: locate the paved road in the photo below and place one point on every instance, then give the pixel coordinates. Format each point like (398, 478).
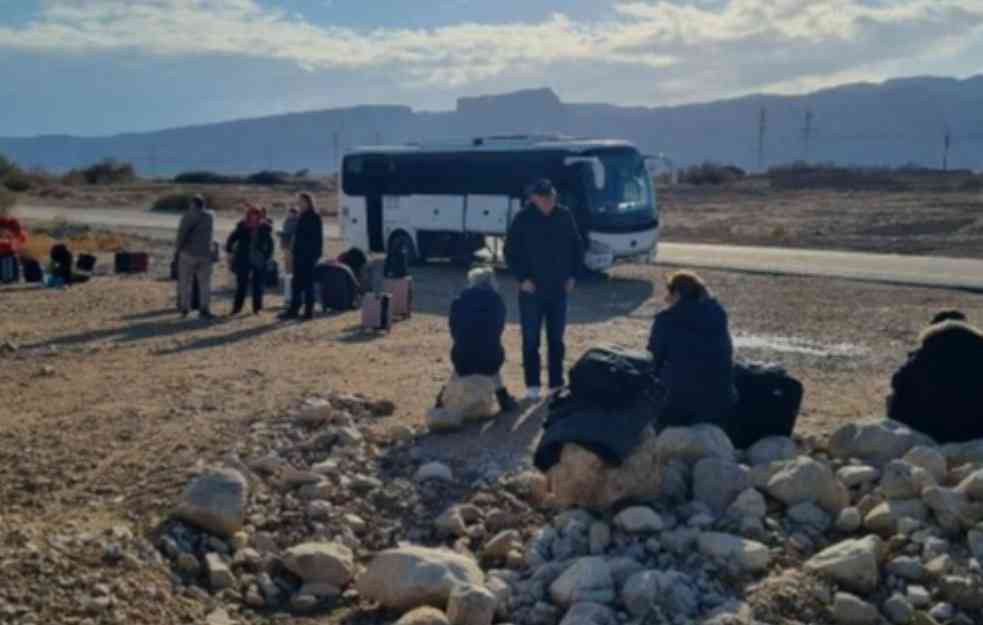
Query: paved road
(896, 269)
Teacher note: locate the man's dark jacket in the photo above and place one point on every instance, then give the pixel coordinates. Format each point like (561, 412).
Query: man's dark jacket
(240, 244)
(308, 238)
(693, 356)
(548, 250)
(939, 390)
(477, 322)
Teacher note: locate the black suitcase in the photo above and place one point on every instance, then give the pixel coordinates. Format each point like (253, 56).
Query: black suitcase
(32, 271)
(122, 262)
(612, 377)
(86, 263)
(337, 286)
(768, 403)
(9, 269)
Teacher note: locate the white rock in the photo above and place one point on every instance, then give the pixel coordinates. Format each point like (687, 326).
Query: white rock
(857, 475)
(586, 580)
(220, 575)
(749, 503)
(972, 486)
(875, 442)
(589, 614)
(470, 398)
(884, 518)
(424, 616)
(639, 520)
(471, 605)
(852, 610)
(717, 482)
(434, 471)
(849, 520)
(855, 564)
(919, 596)
(501, 544)
(929, 458)
(691, 444)
(772, 449)
(408, 577)
(327, 563)
(215, 501)
(749, 555)
(805, 480)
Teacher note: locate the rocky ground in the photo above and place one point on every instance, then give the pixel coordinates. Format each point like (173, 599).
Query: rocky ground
(114, 406)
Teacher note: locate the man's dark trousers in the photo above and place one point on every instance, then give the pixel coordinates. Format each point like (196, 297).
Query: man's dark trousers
(534, 309)
(303, 286)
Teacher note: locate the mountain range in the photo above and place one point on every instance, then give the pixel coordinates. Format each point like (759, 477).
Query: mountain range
(901, 121)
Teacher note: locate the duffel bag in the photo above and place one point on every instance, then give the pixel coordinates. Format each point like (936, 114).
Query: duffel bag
(768, 403)
(612, 377)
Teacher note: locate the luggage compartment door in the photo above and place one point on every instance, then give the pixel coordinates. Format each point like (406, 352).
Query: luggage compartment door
(487, 214)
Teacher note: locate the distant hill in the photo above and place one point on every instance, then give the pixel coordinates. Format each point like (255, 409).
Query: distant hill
(894, 123)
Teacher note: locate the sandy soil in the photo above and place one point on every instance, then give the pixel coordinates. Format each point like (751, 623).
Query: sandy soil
(928, 223)
(109, 398)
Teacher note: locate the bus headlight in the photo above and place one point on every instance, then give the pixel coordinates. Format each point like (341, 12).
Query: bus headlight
(599, 256)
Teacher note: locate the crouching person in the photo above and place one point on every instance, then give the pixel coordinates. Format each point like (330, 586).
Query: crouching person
(693, 355)
(477, 322)
(938, 391)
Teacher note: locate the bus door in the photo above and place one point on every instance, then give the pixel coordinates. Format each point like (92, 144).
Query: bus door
(487, 214)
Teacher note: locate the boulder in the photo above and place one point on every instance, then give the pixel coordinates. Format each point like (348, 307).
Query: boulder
(877, 442)
(424, 616)
(581, 478)
(772, 449)
(852, 563)
(901, 480)
(408, 577)
(953, 510)
(852, 610)
(883, 519)
(857, 475)
(748, 555)
(972, 486)
(436, 471)
(970, 452)
(717, 482)
(929, 458)
(215, 501)
(323, 563)
(749, 504)
(471, 605)
(464, 400)
(589, 614)
(805, 480)
(586, 580)
(638, 520)
(962, 592)
(669, 590)
(692, 444)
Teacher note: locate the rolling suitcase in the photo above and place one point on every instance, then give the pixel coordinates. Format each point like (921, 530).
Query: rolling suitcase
(376, 314)
(121, 262)
(85, 263)
(33, 273)
(9, 269)
(401, 290)
(768, 403)
(140, 262)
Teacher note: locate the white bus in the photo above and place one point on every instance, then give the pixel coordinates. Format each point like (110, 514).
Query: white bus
(445, 200)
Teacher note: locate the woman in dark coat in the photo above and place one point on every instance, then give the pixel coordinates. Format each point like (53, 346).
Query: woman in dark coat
(477, 322)
(251, 247)
(693, 355)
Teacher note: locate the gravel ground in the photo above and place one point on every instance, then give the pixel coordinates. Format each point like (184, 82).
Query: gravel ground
(110, 398)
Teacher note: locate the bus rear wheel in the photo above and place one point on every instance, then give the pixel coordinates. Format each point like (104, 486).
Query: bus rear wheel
(402, 242)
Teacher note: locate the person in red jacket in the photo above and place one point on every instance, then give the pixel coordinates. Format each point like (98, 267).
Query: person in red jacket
(13, 237)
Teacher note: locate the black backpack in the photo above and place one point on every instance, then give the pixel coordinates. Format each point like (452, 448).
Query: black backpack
(612, 377)
(338, 286)
(768, 403)
(396, 265)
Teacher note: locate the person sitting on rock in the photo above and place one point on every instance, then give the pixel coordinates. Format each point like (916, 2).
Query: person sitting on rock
(938, 391)
(477, 322)
(693, 354)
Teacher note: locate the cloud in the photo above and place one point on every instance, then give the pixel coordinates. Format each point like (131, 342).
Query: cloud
(681, 46)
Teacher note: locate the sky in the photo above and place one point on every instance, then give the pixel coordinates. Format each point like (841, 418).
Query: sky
(95, 67)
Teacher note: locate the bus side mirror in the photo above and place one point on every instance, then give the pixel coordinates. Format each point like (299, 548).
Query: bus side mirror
(597, 168)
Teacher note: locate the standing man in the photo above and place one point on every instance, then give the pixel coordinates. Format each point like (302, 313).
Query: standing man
(194, 250)
(545, 251)
(308, 245)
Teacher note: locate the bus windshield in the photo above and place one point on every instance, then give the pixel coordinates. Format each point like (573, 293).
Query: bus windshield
(627, 199)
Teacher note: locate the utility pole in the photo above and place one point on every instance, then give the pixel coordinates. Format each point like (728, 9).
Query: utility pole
(762, 130)
(946, 142)
(806, 136)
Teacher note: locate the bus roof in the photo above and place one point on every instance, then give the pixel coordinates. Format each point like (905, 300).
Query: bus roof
(518, 143)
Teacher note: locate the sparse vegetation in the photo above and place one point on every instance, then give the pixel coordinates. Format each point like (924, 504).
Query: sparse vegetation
(909, 177)
(105, 172)
(206, 177)
(710, 173)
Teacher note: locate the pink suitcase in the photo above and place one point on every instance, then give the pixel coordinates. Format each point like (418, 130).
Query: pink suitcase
(401, 291)
(376, 312)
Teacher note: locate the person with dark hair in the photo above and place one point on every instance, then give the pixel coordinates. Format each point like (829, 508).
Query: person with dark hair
(544, 249)
(194, 250)
(937, 391)
(251, 247)
(693, 354)
(308, 246)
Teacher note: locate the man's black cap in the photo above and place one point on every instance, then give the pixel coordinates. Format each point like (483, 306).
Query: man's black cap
(542, 186)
